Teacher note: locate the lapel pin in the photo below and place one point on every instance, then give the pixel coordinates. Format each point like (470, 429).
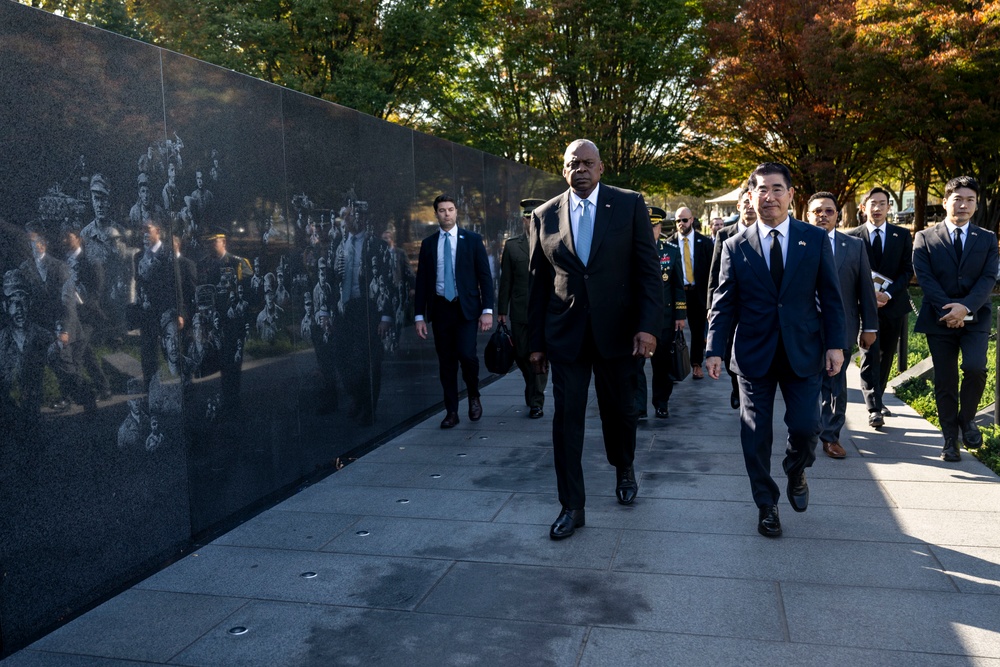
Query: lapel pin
(802, 242)
(895, 234)
(842, 244)
(607, 206)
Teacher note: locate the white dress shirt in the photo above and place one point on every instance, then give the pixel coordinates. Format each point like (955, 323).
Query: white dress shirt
(680, 244)
(764, 233)
(439, 280)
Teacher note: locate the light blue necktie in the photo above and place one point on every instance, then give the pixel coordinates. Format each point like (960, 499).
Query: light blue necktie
(585, 233)
(449, 269)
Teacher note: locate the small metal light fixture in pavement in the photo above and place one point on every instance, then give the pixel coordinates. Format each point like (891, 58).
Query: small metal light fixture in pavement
(308, 575)
(435, 476)
(238, 630)
(362, 533)
(462, 455)
(403, 501)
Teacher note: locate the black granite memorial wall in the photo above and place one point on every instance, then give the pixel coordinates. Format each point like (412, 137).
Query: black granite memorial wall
(177, 339)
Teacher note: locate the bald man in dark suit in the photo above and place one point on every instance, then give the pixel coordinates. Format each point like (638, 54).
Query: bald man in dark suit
(594, 303)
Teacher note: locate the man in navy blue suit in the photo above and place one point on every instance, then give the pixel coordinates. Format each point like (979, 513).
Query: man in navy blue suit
(956, 265)
(454, 292)
(779, 295)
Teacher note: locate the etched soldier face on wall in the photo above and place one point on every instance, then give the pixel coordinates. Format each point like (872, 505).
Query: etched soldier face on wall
(144, 195)
(16, 306)
(172, 346)
(101, 203)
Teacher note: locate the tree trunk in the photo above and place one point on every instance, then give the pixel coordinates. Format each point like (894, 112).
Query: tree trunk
(921, 183)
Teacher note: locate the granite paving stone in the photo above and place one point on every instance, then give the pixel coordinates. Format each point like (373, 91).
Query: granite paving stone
(277, 529)
(738, 608)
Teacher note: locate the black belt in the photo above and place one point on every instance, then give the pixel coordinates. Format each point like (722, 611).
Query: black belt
(689, 288)
(438, 296)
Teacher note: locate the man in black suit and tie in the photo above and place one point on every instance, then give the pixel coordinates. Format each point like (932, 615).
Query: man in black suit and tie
(696, 260)
(454, 292)
(858, 295)
(778, 289)
(594, 303)
(956, 265)
(890, 253)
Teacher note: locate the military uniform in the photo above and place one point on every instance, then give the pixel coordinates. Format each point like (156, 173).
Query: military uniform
(674, 308)
(512, 301)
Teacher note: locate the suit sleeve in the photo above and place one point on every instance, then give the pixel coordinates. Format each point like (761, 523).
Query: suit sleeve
(722, 315)
(484, 277)
(713, 271)
(979, 295)
(646, 265)
(680, 296)
(426, 273)
(934, 293)
(901, 281)
(506, 282)
(867, 303)
(541, 277)
(830, 300)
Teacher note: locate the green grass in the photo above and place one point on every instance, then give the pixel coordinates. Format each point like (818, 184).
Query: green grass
(918, 393)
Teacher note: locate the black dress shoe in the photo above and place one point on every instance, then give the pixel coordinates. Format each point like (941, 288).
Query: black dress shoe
(567, 523)
(875, 419)
(950, 452)
(885, 412)
(450, 420)
(798, 492)
(662, 413)
(643, 416)
(536, 413)
(971, 435)
(734, 400)
(475, 409)
(627, 486)
(768, 523)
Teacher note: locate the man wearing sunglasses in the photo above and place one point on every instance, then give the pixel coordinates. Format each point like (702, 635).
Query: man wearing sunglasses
(696, 259)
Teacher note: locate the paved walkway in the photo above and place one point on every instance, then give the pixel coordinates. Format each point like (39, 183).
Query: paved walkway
(434, 550)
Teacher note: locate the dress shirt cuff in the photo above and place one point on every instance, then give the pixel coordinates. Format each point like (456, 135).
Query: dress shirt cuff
(418, 318)
(888, 295)
(386, 318)
(869, 331)
(487, 311)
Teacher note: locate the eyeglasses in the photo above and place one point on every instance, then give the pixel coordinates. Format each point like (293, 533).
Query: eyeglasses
(683, 219)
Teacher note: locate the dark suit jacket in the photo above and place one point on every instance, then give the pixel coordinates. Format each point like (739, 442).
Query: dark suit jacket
(374, 276)
(702, 256)
(617, 293)
(748, 299)
(713, 271)
(856, 287)
(472, 275)
(897, 265)
(512, 299)
(51, 300)
(946, 280)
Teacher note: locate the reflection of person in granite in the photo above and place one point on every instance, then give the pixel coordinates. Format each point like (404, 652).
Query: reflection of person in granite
(23, 348)
(144, 209)
(267, 319)
(131, 429)
(53, 307)
(403, 282)
(220, 267)
(88, 280)
(364, 315)
(187, 288)
(166, 390)
(103, 243)
(199, 350)
(155, 281)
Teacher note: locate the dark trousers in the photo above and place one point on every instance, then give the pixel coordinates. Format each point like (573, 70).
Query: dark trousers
(455, 342)
(876, 362)
(944, 349)
(663, 386)
(833, 403)
(697, 316)
(534, 383)
(616, 381)
(756, 432)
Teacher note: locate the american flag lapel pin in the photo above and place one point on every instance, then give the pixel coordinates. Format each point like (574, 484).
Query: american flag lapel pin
(895, 234)
(802, 242)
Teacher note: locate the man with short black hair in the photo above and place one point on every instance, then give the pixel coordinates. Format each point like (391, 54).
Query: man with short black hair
(956, 265)
(890, 253)
(455, 292)
(779, 297)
